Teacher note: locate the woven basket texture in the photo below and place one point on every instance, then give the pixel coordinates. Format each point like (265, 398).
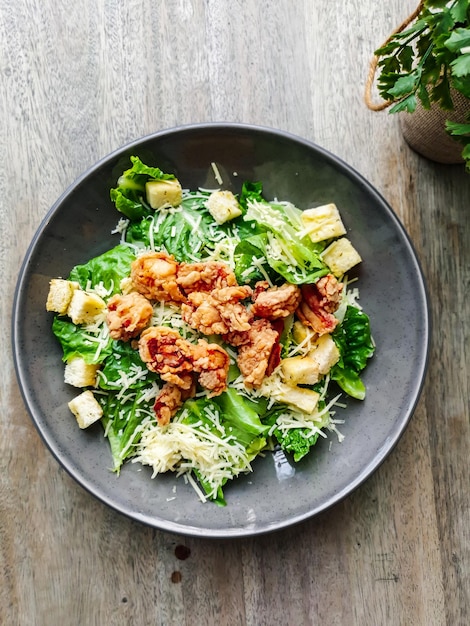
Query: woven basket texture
(424, 130)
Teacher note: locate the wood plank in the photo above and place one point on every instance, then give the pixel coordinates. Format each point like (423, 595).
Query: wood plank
(80, 80)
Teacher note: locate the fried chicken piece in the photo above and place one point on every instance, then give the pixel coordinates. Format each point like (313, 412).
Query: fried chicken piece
(176, 360)
(128, 315)
(275, 302)
(319, 301)
(212, 363)
(154, 274)
(168, 354)
(258, 351)
(218, 312)
(205, 276)
(169, 400)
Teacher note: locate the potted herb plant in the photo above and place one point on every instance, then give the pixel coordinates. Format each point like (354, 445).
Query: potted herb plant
(423, 72)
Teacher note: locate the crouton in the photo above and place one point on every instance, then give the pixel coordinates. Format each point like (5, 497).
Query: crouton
(79, 373)
(85, 307)
(304, 399)
(163, 192)
(223, 206)
(60, 295)
(341, 256)
(325, 354)
(300, 370)
(86, 409)
(323, 222)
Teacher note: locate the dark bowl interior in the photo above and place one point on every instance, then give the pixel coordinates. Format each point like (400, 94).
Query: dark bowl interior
(393, 293)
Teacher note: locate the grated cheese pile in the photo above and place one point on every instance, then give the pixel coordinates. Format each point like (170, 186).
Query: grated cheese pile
(182, 448)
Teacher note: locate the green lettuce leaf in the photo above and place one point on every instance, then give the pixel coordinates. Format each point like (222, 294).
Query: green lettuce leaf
(349, 381)
(108, 268)
(123, 358)
(75, 342)
(184, 233)
(250, 191)
(246, 271)
(187, 233)
(296, 441)
(241, 415)
(129, 195)
(238, 419)
(354, 341)
(122, 416)
(278, 232)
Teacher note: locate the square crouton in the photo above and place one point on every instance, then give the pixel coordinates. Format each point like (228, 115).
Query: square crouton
(60, 294)
(341, 256)
(300, 370)
(323, 222)
(86, 409)
(304, 399)
(163, 192)
(85, 307)
(223, 206)
(79, 373)
(325, 354)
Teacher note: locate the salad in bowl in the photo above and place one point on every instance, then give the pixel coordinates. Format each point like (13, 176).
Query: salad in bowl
(220, 327)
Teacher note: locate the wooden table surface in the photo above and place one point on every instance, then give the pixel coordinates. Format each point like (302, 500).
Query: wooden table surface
(78, 80)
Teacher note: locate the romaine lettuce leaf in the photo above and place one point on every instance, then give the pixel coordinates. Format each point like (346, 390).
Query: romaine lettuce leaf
(250, 191)
(279, 235)
(349, 381)
(129, 195)
(354, 341)
(123, 358)
(246, 271)
(108, 269)
(238, 420)
(296, 441)
(241, 414)
(76, 342)
(121, 418)
(185, 233)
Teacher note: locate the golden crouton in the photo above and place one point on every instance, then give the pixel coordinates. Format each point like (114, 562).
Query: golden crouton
(341, 256)
(79, 373)
(223, 206)
(325, 354)
(85, 307)
(300, 370)
(163, 192)
(304, 399)
(323, 222)
(60, 295)
(86, 409)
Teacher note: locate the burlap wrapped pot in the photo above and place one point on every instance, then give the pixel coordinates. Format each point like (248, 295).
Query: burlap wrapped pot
(424, 130)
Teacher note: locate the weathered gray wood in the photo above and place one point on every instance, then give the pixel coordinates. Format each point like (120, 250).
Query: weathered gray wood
(77, 81)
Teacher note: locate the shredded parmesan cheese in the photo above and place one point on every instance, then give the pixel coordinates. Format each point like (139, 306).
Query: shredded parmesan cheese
(217, 175)
(184, 448)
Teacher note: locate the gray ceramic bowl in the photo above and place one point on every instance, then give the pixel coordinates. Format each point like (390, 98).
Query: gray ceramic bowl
(393, 293)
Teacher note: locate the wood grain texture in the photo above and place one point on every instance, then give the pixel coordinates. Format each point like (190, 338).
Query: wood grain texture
(79, 80)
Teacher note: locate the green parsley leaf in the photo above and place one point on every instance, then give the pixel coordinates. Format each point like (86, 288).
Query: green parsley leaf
(459, 39)
(461, 65)
(408, 104)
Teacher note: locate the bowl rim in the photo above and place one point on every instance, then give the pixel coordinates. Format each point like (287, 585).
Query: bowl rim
(378, 459)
